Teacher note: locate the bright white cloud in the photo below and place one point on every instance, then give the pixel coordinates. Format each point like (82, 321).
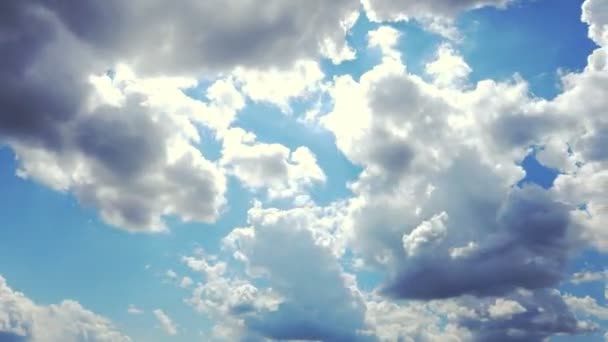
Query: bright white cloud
(505, 309)
(449, 68)
(587, 306)
(280, 86)
(595, 14)
(225, 298)
(282, 172)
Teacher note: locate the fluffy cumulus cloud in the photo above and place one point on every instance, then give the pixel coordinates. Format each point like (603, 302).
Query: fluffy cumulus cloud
(585, 184)
(21, 319)
(277, 240)
(131, 158)
(440, 162)
(440, 168)
(279, 86)
(504, 308)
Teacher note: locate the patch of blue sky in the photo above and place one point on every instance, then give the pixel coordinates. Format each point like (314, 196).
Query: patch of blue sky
(367, 278)
(536, 173)
(365, 58)
(209, 145)
(416, 45)
(532, 38)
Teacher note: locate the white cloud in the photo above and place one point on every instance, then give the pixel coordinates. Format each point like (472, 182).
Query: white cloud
(586, 306)
(427, 148)
(134, 310)
(226, 299)
(416, 321)
(595, 15)
(21, 318)
(282, 172)
(384, 37)
(280, 86)
(186, 282)
(505, 309)
(426, 235)
(136, 168)
(449, 68)
(165, 322)
(274, 242)
(127, 146)
(73, 129)
(588, 276)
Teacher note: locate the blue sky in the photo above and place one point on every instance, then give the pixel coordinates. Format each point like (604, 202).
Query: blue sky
(347, 207)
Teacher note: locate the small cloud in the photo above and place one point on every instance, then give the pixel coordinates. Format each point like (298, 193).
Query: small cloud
(185, 282)
(133, 310)
(588, 276)
(171, 274)
(165, 322)
(505, 309)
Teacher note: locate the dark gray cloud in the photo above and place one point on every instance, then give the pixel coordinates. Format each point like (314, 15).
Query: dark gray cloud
(43, 75)
(196, 35)
(528, 247)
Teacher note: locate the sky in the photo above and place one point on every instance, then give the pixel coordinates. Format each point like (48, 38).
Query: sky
(345, 170)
